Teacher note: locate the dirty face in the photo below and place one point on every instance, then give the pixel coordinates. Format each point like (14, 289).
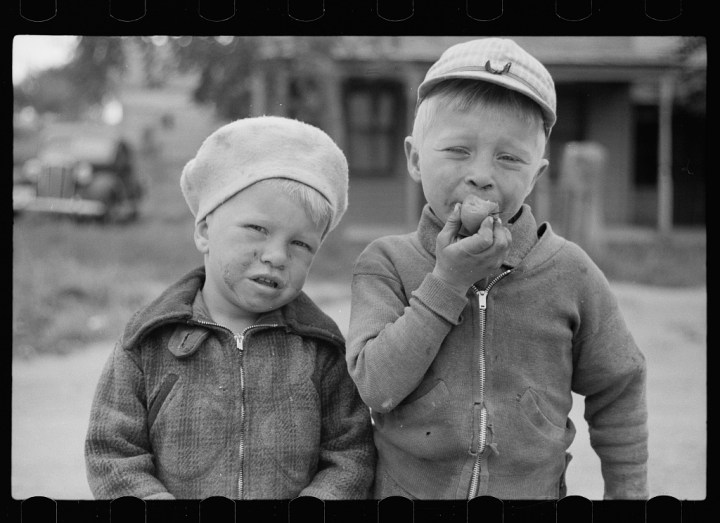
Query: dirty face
(486, 151)
(258, 248)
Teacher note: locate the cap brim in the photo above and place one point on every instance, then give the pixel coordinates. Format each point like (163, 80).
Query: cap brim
(502, 80)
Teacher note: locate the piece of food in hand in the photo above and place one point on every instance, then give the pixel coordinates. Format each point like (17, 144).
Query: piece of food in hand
(472, 213)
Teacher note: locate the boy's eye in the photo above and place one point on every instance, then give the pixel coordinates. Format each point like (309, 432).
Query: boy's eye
(254, 227)
(303, 245)
(456, 150)
(510, 158)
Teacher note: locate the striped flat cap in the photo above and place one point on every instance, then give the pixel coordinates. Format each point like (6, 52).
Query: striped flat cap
(499, 61)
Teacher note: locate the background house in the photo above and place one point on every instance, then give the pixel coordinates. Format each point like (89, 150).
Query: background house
(618, 92)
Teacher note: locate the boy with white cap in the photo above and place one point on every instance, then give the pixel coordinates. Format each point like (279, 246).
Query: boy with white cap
(467, 347)
(232, 382)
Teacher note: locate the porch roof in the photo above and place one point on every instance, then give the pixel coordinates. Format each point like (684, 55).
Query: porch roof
(568, 58)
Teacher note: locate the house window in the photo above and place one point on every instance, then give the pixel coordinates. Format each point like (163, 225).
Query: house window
(646, 155)
(375, 122)
(688, 165)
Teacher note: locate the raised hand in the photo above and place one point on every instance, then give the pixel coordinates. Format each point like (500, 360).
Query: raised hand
(461, 262)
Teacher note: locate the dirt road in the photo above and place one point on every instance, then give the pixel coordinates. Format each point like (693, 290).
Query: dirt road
(52, 396)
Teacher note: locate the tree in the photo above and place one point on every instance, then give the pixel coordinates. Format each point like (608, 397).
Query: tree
(91, 75)
(224, 66)
(97, 66)
(49, 91)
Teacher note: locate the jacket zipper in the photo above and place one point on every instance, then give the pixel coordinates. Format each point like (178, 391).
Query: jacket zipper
(482, 437)
(239, 338)
(239, 343)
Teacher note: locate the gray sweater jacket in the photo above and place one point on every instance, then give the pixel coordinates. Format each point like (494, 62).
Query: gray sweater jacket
(470, 394)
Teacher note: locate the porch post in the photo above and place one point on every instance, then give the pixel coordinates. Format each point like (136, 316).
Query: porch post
(334, 122)
(665, 182)
(258, 93)
(281, 100)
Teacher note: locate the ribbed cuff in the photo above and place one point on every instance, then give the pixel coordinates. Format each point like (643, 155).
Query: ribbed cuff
(440, 298)
(625, 482)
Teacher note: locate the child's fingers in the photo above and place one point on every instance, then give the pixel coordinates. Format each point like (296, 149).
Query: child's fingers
(491, 234)
(481, 240)
(452, 225)
(501, 235)
(453, 220)
(486, 232)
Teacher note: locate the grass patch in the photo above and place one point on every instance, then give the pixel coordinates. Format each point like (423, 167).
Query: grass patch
(74, 284)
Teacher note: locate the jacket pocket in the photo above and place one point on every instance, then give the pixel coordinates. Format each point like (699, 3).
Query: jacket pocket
(190, 430)
(424, 405)
(530, 443)
(422, 428)
(157, 402)
(530, 406)
(286, 427)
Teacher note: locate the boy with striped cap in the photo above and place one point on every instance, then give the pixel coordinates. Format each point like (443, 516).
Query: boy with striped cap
(468, 347)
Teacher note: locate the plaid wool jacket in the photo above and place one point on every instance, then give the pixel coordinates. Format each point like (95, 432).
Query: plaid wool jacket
(187, 409)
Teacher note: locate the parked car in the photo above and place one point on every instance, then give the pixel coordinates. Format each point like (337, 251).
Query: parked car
(83, 172)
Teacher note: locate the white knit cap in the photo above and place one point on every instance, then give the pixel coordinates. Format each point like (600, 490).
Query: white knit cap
(249, 150)
(500, 61)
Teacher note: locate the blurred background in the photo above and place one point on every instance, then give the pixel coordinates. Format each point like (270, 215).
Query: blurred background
(104, 125)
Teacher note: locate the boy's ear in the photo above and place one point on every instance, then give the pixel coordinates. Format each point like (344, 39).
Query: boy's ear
(541, 170)
(200, 235)
(413, 159)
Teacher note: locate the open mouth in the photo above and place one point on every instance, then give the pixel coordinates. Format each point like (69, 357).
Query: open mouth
(267, 282)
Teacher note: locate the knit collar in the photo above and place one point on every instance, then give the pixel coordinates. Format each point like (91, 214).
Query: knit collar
(301, 316)
(523, 230)
(178, 305)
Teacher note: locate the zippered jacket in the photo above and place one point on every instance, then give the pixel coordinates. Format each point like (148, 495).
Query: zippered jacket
(470, 394)
(187, 409)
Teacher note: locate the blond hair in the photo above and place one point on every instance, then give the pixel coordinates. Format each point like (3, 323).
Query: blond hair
(463, 94)
(318, 208)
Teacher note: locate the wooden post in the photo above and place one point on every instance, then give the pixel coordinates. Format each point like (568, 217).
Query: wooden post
(258, 93)
(665, 181)
(334, 123)
(281, 99)
(580, 194)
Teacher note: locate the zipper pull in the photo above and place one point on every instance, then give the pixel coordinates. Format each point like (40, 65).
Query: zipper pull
(482, 300)
(239, 341)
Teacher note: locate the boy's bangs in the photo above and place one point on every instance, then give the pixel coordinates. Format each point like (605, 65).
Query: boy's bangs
(315, 204)
(468, 94)
(463, 94)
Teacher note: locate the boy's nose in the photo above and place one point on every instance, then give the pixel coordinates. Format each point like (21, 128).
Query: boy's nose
(480, 178)
(275, 253)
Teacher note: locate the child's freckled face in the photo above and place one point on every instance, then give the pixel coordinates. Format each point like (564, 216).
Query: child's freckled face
(258, 248)
(485, 151)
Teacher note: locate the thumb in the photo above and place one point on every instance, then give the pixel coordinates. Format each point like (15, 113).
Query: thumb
(453, 220)
(452, 224)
